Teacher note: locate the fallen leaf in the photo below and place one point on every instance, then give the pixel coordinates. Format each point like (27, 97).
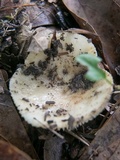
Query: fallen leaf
(9, 129)
(106, 144)
(10, 152)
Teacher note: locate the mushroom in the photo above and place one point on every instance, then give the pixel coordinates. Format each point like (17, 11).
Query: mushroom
(50, 90)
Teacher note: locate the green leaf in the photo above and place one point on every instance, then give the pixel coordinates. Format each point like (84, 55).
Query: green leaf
(94, 73)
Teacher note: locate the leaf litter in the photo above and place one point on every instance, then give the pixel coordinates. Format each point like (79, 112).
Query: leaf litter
(85, 10)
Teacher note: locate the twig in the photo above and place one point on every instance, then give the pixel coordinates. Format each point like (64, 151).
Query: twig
(4, 138)
(81, 138)
(17, 6)
(116, 3)
(116, 92)
(53, 131)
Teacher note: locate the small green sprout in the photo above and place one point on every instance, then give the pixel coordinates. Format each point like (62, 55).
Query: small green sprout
(94, 73)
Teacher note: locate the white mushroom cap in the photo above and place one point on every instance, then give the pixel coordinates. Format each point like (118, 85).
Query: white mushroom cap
(54, 93)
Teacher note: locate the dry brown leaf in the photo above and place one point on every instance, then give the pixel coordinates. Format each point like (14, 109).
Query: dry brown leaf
(10, 152)
(7, 7)
(11, 128)
(40, 16)
(106, 144)
(104, 17)
(74, 7)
